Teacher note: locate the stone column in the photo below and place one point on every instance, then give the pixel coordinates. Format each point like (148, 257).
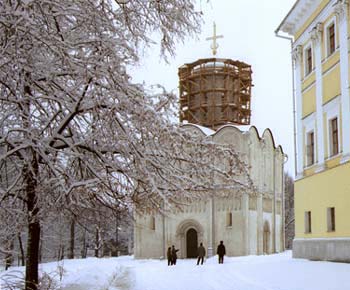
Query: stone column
(316, 36)
(260, 223)
(210, 233)
(245, 229)
(297, 52)
(341, 9)
(274, 202)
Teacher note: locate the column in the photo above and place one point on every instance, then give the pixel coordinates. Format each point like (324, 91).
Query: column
(341, 9)
(260, 224)
(316, 36)
(297, 52)
(245, 215)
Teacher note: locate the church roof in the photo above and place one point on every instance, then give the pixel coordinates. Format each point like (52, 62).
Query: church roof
(267, 134)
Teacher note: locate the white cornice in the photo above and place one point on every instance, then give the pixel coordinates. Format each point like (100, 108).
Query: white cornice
(298, 15)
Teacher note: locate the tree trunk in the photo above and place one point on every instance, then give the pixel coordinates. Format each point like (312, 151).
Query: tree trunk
(32, 259)
(72, 239)
(21, 249)
(32, 263)
(84, 249)
(9, 255)
(97, 242)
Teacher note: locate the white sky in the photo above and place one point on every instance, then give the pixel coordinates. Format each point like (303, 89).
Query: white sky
(248, 27)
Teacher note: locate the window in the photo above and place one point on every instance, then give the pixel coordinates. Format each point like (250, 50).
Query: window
(308, 60)
(334, 146)
(308, 222)
(229, 219)
(331, 38)
(331, 219)
(310, 149)
(153, 223)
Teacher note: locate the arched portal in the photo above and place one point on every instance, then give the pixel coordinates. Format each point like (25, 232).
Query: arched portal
(188, 234)
(191, 243)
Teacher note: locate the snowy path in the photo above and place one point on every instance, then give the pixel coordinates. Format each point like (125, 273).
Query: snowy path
(274, 272)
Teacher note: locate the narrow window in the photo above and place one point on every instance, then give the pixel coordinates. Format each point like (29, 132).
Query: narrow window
(310, 148)
(334, 137)
(308, 222)
(229, 219)
(331, 38)
(331, 219)
(153, 223)
(308, 61)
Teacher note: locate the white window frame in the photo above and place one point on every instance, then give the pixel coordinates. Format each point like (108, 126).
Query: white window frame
(309, 124)
(332, 110)
(307, 47)
(330, 137)
(326, 36)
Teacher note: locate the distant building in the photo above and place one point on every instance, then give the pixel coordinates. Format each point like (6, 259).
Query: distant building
(320, 34)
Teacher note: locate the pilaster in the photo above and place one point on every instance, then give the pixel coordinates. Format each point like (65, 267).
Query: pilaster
(260, 227)
(316, 36)
(245, 216)
(297, 53)
(341, 10)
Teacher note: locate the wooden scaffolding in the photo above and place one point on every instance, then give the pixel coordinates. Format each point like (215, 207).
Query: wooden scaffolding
(214, 92)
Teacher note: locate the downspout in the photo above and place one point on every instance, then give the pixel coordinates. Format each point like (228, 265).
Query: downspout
(291, 39)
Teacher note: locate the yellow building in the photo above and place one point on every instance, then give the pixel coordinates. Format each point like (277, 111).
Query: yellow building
(319, 31)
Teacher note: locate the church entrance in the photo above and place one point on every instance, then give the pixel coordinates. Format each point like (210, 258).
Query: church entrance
(191, 243)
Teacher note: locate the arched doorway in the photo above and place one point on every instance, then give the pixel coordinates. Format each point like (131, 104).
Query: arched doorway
(191, 243)
(188, 233)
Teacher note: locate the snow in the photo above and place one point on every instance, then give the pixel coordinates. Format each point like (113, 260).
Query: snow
(273, 272)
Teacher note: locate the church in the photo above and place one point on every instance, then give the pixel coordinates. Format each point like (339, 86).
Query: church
(215, 99)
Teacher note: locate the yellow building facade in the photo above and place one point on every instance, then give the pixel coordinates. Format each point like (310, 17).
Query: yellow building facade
(319, 31)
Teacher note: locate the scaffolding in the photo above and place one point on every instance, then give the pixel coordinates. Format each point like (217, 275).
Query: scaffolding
(214, 92)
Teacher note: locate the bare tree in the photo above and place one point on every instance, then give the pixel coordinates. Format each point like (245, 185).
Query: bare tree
(66, 98)
(289, 210)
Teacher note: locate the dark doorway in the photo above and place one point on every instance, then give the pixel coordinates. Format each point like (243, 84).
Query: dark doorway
(192, 243)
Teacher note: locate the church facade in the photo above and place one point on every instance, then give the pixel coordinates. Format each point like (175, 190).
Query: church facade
(248, 224)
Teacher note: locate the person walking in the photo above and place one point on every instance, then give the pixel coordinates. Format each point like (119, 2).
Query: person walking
(221, 251)
(168, 254)
(173, 255)
(201, 254)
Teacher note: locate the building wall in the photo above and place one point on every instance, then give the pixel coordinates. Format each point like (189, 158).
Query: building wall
(320, 97)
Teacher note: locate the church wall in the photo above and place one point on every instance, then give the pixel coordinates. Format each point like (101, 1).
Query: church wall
(253, 232)
(249, 215)
(148, 241)
(231, 235)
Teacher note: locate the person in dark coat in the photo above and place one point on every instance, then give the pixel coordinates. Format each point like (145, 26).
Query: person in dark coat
(221, 252)
(173, 255)
(201, 254)
(168, 254)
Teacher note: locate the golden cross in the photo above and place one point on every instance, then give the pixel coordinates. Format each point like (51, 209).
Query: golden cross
(214, 45)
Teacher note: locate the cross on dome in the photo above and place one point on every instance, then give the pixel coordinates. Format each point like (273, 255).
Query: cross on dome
(214, 45)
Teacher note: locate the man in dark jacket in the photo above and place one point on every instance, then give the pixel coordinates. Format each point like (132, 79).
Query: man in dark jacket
(173, 255)
(221, 252)
(201, 254)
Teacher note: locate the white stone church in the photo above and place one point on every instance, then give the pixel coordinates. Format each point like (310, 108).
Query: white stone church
(215, 101)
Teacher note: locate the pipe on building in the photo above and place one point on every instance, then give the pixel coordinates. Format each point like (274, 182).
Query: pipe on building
(291, 39)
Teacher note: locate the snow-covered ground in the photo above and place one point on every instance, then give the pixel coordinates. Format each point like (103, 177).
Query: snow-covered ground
(274, 272)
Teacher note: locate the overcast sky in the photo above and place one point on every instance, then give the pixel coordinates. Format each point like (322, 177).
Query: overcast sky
(248, 27)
